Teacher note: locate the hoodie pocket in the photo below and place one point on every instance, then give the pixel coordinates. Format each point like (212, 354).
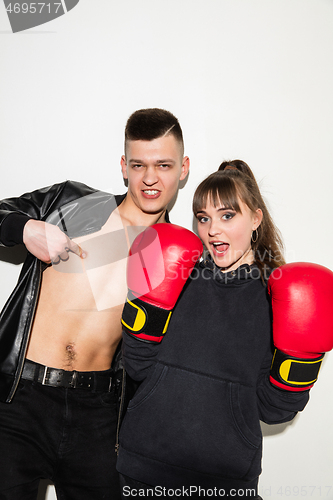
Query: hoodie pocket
(193, 421)
(147, 388)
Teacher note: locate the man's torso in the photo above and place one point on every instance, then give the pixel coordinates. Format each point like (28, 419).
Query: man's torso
(77, 321)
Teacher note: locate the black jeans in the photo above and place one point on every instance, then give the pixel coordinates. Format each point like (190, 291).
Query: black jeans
(62, 434)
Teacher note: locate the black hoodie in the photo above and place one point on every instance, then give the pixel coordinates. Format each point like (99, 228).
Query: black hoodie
(194, 421)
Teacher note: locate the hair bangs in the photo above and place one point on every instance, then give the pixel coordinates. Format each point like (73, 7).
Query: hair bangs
(219, 190)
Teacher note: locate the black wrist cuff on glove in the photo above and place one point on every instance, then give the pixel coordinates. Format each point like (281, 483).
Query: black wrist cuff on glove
(295, 372)
(145, 321)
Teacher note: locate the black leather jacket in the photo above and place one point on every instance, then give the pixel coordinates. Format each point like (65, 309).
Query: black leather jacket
(78, 210)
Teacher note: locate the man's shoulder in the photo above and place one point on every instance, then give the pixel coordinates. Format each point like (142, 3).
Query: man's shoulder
(76, 187)
(84, 190)
(70, 190)
(79, 207)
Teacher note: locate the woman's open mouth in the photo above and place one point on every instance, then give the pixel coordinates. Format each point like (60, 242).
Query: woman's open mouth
(219, 247)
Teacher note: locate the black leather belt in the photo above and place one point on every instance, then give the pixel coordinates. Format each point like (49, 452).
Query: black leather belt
(92, 381)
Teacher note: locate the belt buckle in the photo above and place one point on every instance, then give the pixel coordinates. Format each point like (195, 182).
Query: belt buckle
(45, 379)
(74, 380)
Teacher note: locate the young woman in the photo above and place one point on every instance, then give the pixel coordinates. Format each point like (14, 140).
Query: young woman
(194, 421)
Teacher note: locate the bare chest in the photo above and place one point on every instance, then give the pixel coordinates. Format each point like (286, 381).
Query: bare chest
(77, 321)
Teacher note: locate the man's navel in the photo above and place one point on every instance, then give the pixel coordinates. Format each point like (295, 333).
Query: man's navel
(70, 353)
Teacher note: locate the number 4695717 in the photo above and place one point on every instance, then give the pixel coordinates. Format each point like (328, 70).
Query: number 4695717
(33, 8)
(312, 491)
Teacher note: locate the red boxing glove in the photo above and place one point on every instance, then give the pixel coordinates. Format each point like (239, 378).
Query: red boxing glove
(159, 264)
(302, 300)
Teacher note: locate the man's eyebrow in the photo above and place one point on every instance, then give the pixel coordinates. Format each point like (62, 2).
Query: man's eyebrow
(157, 162)
(133, 160)
(167, 160)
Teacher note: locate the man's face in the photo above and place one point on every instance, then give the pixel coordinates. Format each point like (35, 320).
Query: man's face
(154, 169)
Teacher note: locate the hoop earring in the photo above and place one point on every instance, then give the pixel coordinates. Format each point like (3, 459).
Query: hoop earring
(256, 233)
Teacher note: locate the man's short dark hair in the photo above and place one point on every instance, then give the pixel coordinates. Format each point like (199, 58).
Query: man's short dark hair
(152, 123)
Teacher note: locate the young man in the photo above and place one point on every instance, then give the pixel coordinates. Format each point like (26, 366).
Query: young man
(60, 329)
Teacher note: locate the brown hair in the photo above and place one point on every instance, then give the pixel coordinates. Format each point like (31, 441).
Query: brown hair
(227, 187)
(237, 165)
(152, 123)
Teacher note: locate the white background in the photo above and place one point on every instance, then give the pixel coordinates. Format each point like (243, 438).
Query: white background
(249, 79)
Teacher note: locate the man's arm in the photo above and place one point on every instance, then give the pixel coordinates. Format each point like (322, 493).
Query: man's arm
(20, 222)
(47, 242)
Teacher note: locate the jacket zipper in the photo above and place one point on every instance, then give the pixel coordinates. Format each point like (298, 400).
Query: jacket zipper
(120, 411)
(19, 373)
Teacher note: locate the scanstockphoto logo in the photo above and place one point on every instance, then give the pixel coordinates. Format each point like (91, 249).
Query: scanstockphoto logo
(25, 15)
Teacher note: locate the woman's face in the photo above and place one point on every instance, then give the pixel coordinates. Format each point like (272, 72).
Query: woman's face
(227, 233)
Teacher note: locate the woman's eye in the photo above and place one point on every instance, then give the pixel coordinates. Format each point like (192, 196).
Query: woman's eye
(203, 219)
(228, 216)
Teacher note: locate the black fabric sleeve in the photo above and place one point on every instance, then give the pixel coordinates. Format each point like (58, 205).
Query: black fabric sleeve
(12, 229)
(138, 357)
(15, 212)
(36, 205)
(275, 405)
